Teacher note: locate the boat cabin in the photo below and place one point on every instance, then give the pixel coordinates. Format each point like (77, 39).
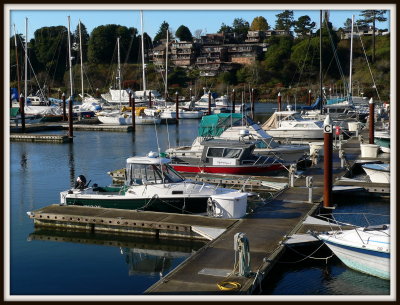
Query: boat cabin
(150, 170)
(227, 152)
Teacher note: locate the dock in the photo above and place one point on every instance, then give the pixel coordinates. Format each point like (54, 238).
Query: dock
(42, 138)
(282, 219)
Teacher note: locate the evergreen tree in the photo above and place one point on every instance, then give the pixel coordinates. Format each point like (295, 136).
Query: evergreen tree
(284, 20)
(240, 27)
(303, 25)
(85, 41)
(225, 29)
(370, 16)
(162, 33)
(184, 34)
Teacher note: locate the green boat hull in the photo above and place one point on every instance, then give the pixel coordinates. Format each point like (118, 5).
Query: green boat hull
(170, 205)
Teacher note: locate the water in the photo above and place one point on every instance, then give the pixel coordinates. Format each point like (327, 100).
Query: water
(69, 263)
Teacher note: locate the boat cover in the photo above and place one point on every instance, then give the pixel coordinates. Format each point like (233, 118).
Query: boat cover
(214, 125)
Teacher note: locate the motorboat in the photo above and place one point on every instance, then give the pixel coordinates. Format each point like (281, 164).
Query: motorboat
(124, 117)
(382, 138)
(365, 249)
(222, 156)
(150, 184)
(290, 125)
(377, 173)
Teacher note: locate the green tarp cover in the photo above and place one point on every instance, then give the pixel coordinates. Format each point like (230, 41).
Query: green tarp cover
(14, 111)
(215, 124)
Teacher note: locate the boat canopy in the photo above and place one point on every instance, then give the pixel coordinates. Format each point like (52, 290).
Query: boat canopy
(214, 125)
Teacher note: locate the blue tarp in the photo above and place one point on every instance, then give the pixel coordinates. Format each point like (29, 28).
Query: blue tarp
(316, 105)
(14, 94)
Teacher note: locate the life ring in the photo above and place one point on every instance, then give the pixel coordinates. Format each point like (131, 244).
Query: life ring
(228, 285)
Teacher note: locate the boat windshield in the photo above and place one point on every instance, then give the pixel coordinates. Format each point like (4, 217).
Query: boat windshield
(138, 174)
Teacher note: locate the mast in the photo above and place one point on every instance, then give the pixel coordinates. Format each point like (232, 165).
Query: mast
(70, 58)
(26, 60)
(143, 65)
(351, 59)
(166, 68)
(80, 51)
(119, 73)
(320, 61)
(16, 58)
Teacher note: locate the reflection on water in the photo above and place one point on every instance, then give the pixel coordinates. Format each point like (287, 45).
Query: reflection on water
(145, 256)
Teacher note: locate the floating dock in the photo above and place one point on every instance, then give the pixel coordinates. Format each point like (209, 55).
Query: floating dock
(281, 220)
(43, 138)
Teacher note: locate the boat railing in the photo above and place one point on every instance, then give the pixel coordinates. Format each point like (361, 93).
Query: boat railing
(337, 225)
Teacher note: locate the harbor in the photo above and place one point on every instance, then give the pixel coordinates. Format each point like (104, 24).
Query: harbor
(216, 167)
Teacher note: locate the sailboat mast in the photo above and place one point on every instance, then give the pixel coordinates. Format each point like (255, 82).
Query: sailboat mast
(351, 59)
(16, 59)
(80, 52)
(166, 68)
(26, 60)
(143, 65)
(320, 61)
(119, 73)
(70, 58)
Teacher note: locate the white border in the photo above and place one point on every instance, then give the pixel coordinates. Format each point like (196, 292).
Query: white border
(9, 7)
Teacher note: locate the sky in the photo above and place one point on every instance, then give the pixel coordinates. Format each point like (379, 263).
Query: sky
(207, 18)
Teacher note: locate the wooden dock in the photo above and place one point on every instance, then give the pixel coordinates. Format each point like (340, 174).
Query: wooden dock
(267, 229)
(42, 138)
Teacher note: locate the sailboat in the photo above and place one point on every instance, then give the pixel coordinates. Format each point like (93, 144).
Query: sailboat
(124, 115)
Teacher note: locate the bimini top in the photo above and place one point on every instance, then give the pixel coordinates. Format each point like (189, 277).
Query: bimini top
(151, 158)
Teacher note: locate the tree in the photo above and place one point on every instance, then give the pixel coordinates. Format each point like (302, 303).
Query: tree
(197, 33)
(225, 29)
(240, 27)
(259, 24)
(103, 39)
(284, 20)
(303, 25)
(183, 33)
(347, 24)
(50, 46)
(162, 33)
(370, 16)
(85, 40)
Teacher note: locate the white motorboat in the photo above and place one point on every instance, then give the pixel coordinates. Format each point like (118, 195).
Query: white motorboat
(125, 118)
(151, 184)
(365, 249)
(377, 173)
(290, 125)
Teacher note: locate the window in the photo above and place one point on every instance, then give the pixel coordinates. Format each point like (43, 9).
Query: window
(214, 152)
(231, 153)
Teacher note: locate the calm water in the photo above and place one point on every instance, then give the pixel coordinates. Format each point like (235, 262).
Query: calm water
(68, 263)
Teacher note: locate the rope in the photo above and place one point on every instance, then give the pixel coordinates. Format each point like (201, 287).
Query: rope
(306, 256)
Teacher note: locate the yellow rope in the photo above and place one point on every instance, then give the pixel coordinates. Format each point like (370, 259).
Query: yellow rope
(228, 285)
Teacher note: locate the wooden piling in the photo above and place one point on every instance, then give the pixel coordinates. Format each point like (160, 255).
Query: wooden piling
(133, 112)
(22, 111)
(150, 103)
(209, 102)
(70, 119)
(252, 103)
(279, 101)
(328, 162)
(64, 107)
(309, 97)
(371, 121)
(177, 107)
(233, 101)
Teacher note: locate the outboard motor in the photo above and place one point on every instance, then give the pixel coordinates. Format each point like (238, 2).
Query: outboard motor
(80, 182)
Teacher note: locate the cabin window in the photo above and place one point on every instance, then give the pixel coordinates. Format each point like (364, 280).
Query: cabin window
(231, 153)
(214, 152)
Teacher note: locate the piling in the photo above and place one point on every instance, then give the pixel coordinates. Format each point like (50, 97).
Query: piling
(150, 104)
(177, 107)
(309, 97)
(279, 101)
(252, 103)
(130, 99)
(328, 162)
(22, 111)
(133, 111)
(70, 119)
(233, 100)
(209, 102)
(64, 106)
(371, 121)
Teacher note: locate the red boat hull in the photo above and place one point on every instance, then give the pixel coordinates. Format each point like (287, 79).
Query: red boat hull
(233, 170)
